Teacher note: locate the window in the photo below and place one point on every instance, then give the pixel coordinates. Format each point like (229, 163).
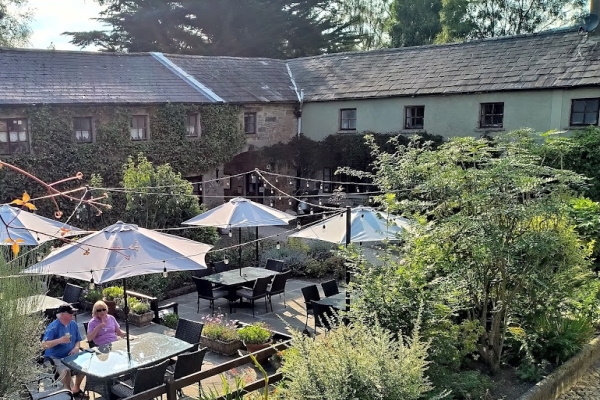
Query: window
(348, 119)
(14, 136)
(492, 115)
(192, 127)
(139, 129)
(414, 117)
(249, 122)
(83, 129)
(584, 112)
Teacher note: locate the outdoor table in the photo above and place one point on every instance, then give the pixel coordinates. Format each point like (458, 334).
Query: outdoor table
(103, 363)
(39, 303)
(337, 301)
(234, 278)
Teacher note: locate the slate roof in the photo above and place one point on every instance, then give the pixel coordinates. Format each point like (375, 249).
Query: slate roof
(48, 76)
(240, 80)
(555, 59)
(548, 60)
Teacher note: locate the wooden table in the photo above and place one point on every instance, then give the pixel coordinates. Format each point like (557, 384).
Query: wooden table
(103, 363)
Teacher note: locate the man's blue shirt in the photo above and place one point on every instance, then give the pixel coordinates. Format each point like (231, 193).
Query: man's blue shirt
(57, 330)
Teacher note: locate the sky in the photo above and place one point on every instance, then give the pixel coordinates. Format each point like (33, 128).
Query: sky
(52, 17)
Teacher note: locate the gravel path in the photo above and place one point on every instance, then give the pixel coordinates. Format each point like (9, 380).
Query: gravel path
(588, 388)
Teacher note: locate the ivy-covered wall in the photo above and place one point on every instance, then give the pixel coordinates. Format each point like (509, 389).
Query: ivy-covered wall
(55, 154)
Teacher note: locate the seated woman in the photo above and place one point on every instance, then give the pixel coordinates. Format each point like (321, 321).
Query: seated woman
(103, 328)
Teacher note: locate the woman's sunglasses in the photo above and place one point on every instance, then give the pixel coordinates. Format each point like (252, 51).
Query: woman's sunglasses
(101, 310)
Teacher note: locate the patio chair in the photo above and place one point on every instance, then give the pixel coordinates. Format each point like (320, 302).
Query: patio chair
(90, 343)
(310, 293)
(53, 394)
(278, 287)
(275, 265)
(324, 316)
(205, 291)
(71, 294)
(189, 331)
(220, 266)
(330, 288)
(258, 291)
(203, 272)
(187, 364)
(145, 378)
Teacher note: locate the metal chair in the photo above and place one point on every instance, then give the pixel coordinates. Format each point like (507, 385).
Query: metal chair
(187, 364)
(330, 288)
(205, 291)
(145, 378)
(324, 316)
(189, 331)
(275, 265)
(258, 291)
(310, 293)
(71, 294)
(278, 287)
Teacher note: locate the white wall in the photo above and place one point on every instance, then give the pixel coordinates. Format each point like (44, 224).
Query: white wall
(449, 116)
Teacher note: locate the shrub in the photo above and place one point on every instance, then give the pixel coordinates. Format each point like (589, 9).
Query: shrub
(170, 320)
(355, 361)
(93, 296)
(140, 308)
(256, 333)
(217, 327)
(461, 385)
(112, 293)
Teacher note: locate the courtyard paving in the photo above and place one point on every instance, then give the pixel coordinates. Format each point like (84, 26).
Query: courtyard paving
(588, 387)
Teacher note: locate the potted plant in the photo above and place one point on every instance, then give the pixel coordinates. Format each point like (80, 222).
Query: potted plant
(255, 337)
(170, 320)
(220, 335)
(140, 314)
(89, 298)
(111, 295)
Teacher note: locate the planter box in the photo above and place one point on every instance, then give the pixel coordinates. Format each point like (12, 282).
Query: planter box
(226, 349)
(141, 319)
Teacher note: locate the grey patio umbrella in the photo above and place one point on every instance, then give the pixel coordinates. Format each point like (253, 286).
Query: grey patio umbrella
(17, 224)
(121, 251)
(241, 213)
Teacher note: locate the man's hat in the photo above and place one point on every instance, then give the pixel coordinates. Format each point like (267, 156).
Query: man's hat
(66, 308)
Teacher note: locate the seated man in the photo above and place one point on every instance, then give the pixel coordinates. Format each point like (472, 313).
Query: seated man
(60, 340)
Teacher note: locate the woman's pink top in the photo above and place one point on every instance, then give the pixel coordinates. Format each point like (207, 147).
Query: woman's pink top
(106, 335)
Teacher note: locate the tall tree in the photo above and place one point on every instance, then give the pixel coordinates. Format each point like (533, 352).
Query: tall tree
(478, 19)
(258, 28)
(417, 22)
(370, 20)
(14, 31)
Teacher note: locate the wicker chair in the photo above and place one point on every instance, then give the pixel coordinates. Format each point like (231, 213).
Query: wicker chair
(207, 292)
(275, 265)
(189, 331)
(330, 288)
(258, 291)
(310, 293)
(145, 378)
(278, 287)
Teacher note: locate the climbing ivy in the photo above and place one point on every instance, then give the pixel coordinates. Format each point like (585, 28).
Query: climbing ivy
(56, 154)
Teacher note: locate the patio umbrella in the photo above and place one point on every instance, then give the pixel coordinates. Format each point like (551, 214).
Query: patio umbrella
(366, 225)
(241, 213)
(121, 251)
(33, 229)
(356, 225)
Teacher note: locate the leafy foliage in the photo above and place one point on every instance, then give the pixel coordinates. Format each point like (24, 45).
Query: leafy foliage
(494, 227)
(257, 333)
(14, 31)
(248, 28)
(416, 22)
(19, 330)
(170, 320)
(357, 361)
(218, 327)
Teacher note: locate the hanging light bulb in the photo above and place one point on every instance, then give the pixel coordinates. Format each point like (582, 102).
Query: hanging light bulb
(357, 189)
(276, 179)
(324, 216)
(307, 184)
(278, 246)
(320, 202)
(299, 225)
(271, 203)
(291, 182)
(230, 234)
(370, 200)
(92, 286)
(311, 211)
(290, 202)
(279, 197)
(165, 273)
(226, 260)
(321, 186)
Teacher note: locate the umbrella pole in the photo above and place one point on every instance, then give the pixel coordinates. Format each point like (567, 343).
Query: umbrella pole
(348, 237)
(257, 246)
(126, 311)
(240, 250)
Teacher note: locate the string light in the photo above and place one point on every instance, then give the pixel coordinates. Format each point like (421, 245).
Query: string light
(226, 260)
(271, 203)
(230, 234)
(290, 202)
(299, 225)
(321, 186)
(307, 184)
(311, 211)
(320, 202)
(278, 246)
(165, 273)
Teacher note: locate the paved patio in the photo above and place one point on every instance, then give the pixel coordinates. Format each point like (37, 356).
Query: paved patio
(281, 319)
